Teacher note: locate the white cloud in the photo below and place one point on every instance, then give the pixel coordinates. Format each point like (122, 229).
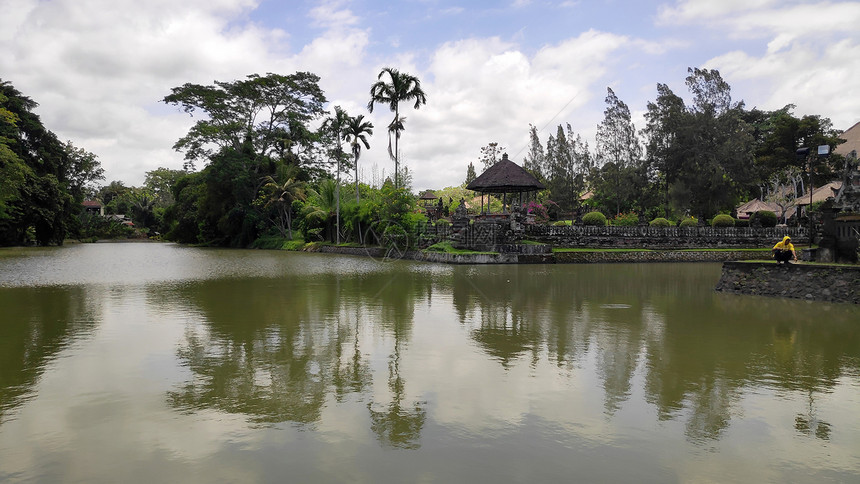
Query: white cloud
(810, 56)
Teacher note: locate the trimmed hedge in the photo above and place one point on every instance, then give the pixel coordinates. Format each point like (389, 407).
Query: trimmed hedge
(723, 220)
(689, 222)
(660, 222)
(594, 219)
(765, 217)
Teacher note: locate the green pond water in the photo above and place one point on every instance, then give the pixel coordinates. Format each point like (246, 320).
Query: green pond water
(148, 362)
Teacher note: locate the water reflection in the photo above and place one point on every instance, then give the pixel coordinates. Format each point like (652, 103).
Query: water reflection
(274, 349)
(36, 325)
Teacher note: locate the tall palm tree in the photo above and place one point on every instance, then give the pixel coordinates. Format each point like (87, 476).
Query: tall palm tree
(403, 87)
(355, 133)
(335, 125)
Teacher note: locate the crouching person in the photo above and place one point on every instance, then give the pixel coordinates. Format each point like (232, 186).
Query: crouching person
(784, 251)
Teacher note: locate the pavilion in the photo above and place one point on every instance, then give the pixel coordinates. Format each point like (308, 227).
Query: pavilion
(505, 177)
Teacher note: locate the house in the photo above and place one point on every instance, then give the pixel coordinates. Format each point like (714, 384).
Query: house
(746, 210)
(93, 207)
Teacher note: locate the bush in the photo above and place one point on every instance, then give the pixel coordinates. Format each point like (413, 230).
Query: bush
(742, 222)
(630, 219)
(660, 222)
(723, 220)
(562, 223)
(689, 222)
(594, 219)
(765, 218)
(442, 223)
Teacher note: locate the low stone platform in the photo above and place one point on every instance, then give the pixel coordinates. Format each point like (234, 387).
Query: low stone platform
(829, 283)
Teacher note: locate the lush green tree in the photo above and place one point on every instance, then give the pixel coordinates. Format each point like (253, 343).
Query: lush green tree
(401, 87)
(355, 133)
(702, 153)
(664, 122)
(268, 114)
(777, 136)
(250, 130)
(44, 180)
(567, 163)
(13, 170)
(618, 145)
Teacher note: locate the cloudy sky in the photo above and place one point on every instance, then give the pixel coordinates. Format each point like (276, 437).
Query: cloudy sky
(99, 68)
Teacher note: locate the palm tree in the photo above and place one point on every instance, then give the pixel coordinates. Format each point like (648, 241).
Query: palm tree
(335, 125)
(280, 190)
(355, 133)
(403, 87)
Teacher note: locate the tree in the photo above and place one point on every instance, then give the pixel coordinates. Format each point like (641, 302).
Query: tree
(43, 180)
(470, 173)
(355, 133)
(535, 159)
(702, 152)
(268, 114)
(160, 182)
(618, 144)
(278, 195)
(664, 123)
(402, 87)
(336, 125)
(491, 154)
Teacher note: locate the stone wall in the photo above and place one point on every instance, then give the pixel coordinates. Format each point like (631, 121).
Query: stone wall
(798, 281)
(586, 257)
(663, 237)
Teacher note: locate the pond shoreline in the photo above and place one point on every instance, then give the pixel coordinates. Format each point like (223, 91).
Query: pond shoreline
(812, 282)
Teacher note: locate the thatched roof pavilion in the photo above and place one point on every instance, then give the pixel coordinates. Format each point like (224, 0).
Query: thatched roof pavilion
(505, 177)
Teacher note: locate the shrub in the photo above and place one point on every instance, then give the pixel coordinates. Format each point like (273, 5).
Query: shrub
(723, 220)
(764, 217)
(689, 222)
(562, 223)
(442, 223)
(630, 219)
(594, 218)
(538, 210)
(660, 222)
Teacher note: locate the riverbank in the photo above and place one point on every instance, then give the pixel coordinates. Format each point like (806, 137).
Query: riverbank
(813, 282)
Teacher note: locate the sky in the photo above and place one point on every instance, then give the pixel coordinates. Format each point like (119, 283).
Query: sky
(100, 68)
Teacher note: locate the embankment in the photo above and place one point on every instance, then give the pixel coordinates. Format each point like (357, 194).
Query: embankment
(799, 281)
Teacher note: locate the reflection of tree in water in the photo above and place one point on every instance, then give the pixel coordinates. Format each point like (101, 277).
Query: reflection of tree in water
(271, 351)
(809, 424)
(275, 350)
(700, 351)
(37, 324)
(617, 349)
(708, 355)
(397, 423)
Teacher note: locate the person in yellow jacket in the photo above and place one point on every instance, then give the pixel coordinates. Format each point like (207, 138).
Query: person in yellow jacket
(783, 251)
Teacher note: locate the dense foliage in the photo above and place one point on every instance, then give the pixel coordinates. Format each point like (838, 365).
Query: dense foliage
(44, 180)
